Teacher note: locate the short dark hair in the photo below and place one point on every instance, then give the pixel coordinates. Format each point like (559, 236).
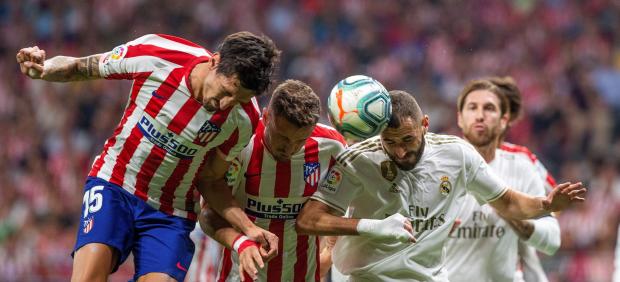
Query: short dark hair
(252, 58)
(508, 87)
(297, 102)
(482, 84)
(403, 106)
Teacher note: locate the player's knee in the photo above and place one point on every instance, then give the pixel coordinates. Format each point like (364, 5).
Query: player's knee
(87, 275)
(93, 262)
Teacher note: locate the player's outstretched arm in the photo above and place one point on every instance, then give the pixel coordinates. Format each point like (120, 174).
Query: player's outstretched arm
(317, 218)
(516, 205)
(250, 252)
(32, 63)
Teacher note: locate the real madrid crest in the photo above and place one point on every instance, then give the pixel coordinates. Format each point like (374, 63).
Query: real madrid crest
(445, 186)
(389, 170)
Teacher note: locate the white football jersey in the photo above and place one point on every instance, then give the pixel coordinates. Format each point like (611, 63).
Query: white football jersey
(485, 247)
(372, 186)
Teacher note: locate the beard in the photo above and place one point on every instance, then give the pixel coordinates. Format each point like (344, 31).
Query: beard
(411, 158)
(481, 139)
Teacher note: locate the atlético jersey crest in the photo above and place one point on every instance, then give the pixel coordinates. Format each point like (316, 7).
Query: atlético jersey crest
(312, 172)
(207, 132)
(88, 225)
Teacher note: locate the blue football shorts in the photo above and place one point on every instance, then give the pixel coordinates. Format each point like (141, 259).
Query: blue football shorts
(112, 216)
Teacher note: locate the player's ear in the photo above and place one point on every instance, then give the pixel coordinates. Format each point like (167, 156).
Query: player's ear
(215, 59)
(425, 122)
(265, 115)
(504, 121)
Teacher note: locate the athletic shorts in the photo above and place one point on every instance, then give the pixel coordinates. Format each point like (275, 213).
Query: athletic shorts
(112, 216)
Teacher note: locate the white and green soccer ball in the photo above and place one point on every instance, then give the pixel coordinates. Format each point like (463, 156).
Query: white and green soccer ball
(359, 107)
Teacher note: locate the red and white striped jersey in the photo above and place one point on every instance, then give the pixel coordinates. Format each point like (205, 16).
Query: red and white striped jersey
(542, 171)
(165, 134)
(272, 193)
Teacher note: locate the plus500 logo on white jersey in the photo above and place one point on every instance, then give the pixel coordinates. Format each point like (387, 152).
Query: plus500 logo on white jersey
(166, 139)
(274, 208)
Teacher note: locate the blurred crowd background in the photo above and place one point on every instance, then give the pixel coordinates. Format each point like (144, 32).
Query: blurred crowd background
(564, 55)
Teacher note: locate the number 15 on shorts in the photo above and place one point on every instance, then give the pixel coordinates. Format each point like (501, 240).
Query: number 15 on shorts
(93, 200)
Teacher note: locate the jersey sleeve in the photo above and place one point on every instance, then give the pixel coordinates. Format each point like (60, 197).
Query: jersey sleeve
(233, 145)
(233, 173)
(247, 124)
(338, 189)
(146, 54)
(125, 61)
(546, 236)
(483, 184)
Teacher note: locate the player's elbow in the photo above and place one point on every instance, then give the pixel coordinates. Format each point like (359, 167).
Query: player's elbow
(205, 223)
(210, 222)
(303, 224)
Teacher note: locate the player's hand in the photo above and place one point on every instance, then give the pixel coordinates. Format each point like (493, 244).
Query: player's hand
(31, 61)
(268, 241)
(325, 256)
(249, 258)
(564, 195)
(395, 226)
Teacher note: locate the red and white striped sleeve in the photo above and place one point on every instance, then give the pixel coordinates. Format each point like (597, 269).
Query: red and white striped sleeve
(146, 54)
(248, 122)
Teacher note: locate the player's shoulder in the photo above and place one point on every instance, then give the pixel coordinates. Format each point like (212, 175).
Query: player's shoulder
(164, 40)
(327, 133)
(442, 139)
(163, 47)
(518, 149)
(246, 115)
(365, 151)
(447, 145)
(516, 160)
(178, 40)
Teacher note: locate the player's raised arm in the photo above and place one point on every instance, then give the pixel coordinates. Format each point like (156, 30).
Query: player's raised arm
(60, 68)
(516, 205)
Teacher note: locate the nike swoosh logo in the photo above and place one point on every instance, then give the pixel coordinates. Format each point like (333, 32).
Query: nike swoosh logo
(179, 266)
(157, 95)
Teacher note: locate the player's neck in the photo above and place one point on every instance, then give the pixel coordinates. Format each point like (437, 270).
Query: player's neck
(487, 151)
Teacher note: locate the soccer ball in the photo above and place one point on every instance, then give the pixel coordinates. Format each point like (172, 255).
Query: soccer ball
(359, 107)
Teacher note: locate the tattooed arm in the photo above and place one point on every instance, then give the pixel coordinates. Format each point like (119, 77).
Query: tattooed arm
(60, 68)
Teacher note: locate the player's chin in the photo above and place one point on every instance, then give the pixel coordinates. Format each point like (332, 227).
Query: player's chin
(407, 164)
(480, 140)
